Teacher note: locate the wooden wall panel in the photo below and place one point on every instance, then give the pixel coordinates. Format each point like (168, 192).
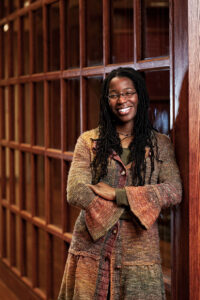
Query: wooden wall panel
(179, 121)
(194, 148)
(19, 288)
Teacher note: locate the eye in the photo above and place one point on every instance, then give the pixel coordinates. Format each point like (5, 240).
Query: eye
(128, 94)
(113, 96)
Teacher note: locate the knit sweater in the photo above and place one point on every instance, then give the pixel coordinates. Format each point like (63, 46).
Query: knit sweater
(108, 248)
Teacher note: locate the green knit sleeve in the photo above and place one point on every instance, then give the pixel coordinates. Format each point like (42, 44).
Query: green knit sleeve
(121, 198)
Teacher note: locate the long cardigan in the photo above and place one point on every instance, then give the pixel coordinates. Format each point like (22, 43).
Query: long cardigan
(114, 248)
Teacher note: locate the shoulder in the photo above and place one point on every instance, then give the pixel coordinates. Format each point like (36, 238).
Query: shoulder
(87, 138)
(90, 134)
(165, 147)
(162, 139)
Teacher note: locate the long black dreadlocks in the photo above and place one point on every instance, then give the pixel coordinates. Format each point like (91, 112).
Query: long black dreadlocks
(109, 139)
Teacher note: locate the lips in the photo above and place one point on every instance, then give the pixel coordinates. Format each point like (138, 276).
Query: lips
(124, 111)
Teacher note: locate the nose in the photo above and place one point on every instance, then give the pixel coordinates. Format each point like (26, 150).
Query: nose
(121, 98)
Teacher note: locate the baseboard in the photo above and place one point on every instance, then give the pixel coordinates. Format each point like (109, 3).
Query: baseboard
(14, 283)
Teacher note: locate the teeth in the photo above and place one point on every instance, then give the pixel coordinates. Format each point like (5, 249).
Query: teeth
(124, 109)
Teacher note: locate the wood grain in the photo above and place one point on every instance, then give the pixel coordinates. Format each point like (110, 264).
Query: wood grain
(194, 147)
(6, 293)
(180, 135)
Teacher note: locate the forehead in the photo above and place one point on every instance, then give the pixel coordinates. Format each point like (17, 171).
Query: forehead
(119, 83)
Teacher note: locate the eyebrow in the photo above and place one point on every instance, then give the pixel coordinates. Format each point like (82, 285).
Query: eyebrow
(128, 88)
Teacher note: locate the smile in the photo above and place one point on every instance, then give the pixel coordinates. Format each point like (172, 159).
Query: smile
(124, 110)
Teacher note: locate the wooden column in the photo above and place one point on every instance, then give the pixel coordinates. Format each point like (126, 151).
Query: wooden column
(194, 147)
(179, 106)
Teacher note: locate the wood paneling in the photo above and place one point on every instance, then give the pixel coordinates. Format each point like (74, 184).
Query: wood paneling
(6, 293)
(194, 148)
(17, 285)
(179, 123)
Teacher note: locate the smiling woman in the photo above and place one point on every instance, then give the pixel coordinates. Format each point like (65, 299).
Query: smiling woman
(122, 174)
(123, 102)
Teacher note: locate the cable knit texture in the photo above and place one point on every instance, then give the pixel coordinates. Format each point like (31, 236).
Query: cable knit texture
(108, 250)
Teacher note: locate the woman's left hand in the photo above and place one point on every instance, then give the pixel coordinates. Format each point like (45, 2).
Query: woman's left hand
(103, 190)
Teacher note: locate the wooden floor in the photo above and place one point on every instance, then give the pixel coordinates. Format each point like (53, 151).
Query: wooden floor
(5, 293)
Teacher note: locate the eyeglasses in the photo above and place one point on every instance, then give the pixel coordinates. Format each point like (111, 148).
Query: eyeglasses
(125, 95)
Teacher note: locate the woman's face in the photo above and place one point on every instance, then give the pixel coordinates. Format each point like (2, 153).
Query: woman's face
(123, 99)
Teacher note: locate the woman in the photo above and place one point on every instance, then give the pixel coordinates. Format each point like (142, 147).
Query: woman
(123, 173)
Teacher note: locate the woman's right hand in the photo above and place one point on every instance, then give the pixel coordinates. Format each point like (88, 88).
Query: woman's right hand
(103, 190)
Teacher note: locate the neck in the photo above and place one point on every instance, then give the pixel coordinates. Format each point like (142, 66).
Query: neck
(125, 134)
(125, 129)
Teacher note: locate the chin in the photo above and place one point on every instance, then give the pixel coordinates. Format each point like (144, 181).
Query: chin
(126, 119)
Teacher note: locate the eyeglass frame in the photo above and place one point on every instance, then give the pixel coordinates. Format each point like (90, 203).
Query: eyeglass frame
(126, 95)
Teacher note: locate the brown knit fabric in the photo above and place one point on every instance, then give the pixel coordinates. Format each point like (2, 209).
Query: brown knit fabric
(106, 247)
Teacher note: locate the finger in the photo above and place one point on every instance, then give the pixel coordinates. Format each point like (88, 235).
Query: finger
(90, 185)
(93, 188)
